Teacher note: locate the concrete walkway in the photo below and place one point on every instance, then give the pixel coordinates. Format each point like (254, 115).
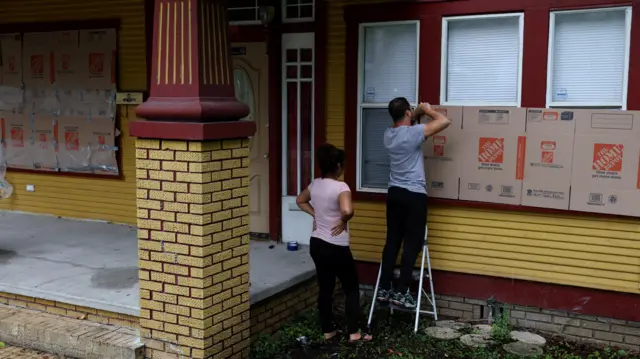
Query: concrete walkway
(94, 264)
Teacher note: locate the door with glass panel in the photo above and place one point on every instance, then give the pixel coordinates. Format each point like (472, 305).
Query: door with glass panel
(250, 73)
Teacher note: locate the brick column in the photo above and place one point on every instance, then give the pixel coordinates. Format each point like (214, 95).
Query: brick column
(192, 161)
(193, 230)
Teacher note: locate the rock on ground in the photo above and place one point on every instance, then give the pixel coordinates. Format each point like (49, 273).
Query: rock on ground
(482, 329)
(522, 349)
(475, 340)
(452, 324)
(528, 338)
(443, 333)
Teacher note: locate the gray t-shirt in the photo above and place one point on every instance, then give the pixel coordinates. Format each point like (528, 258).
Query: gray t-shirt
(404, 145)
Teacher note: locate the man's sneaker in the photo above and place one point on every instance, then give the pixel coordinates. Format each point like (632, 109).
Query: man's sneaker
(404, 300)
(383, 295)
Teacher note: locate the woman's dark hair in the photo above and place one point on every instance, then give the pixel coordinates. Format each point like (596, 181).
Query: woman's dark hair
(330, 159)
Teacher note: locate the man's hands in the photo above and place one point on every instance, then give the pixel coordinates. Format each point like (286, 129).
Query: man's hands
(339, 228)
(439, 121)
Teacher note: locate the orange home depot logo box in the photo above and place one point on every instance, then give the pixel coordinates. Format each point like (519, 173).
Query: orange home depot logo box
(96, 64)
(17, 137)
(438, 145)
(491, 150)
(548, 148)
(37, 65)
(72, 140)
(607, 157)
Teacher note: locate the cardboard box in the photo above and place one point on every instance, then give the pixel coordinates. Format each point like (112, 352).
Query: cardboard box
(102, 140)
(548, 158)
(42, 143)
(72, 144)
(442, 154)
(37, 59)
(67, 60)
(493, 154)
(11, 97)
(605, 177)
(98, 48)
(16, 136)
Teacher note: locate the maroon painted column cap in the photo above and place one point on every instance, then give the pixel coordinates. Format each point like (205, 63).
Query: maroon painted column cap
(192, 131)
(192, 72)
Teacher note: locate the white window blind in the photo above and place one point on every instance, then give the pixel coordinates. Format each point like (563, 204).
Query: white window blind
(388, 69)
(588, 58)
(482, 59)
(390, 59)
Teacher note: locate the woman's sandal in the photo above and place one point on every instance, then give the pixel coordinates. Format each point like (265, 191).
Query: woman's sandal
(365, 338)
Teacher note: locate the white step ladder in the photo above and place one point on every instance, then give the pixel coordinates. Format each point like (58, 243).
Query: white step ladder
(421, 292)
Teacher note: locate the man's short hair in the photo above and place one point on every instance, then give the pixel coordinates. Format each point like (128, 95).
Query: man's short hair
(398, 107)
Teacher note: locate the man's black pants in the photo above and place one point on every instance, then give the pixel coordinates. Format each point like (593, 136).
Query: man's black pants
(406, 221)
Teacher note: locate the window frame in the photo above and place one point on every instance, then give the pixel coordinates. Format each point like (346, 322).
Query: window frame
(361, 105)
(245, 22)
(550, 54)
(444, 43)
(287, 20)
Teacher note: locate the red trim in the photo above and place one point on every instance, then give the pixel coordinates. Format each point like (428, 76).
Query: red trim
(192, 131)
(625, 306)
(536, 34)
(274, 48)
(320, 77)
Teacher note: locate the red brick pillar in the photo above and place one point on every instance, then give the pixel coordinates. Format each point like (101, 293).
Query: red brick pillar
(192, 188)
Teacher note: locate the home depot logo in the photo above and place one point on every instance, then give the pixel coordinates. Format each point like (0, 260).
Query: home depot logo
(66, 62)
(96, 64)
(11, 64)
(37, 65)
(438, 145)
(43, 140)
(17, 137)
(71, 141)
(607, 157)
(491, 150)
(548, 148)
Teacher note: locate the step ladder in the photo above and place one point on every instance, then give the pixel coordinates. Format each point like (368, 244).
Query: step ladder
(421, 292)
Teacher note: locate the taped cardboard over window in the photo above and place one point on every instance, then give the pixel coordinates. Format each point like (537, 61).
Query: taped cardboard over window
(42, 143)
(15, 133)
(11, 95)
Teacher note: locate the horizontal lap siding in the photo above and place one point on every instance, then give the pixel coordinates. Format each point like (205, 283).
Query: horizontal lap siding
(601, 253)
(90, 198)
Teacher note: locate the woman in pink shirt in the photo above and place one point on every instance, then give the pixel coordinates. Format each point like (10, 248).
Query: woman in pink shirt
(328, 201)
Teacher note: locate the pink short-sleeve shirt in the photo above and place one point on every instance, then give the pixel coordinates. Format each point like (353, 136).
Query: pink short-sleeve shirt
(325, 202)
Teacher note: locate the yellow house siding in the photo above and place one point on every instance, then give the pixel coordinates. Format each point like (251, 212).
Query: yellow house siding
(602, 253)
(90, 198)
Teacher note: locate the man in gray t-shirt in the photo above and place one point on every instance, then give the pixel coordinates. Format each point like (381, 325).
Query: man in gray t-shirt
(407, 195)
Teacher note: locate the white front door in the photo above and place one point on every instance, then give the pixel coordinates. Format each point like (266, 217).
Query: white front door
(298, 55)
(250, 73)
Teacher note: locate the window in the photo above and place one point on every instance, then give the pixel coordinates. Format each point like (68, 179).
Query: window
(298, 109)
(388, 68)
(244, 12)
(482, 60)
(589, 58)
(297, 10)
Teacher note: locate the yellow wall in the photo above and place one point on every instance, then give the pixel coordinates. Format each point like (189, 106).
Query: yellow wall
(593, 252)
(112, 200)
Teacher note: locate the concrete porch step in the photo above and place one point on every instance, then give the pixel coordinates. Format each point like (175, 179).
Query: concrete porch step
(68, 337)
